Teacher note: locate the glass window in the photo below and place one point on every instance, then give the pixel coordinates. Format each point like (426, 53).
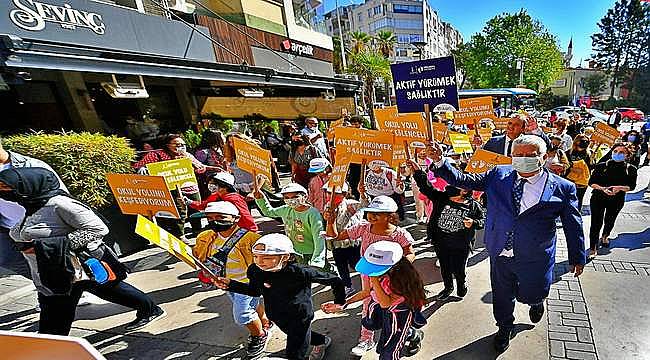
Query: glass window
(407, 9)
(377, 9)
(380, 24)
(408, 24)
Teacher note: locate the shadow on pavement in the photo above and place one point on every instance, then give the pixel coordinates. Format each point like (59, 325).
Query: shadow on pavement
(479, 348)
(630, 241)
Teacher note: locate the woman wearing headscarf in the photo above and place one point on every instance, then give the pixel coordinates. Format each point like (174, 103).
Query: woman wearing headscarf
(57, 236)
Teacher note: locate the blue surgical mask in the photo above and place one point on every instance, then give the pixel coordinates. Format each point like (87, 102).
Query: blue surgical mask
(631, 138)
(618, 157)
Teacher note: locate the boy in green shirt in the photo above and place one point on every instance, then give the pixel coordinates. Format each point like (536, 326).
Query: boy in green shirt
(303, 224)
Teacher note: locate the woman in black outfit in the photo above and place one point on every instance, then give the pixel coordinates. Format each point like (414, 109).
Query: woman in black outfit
(454, 219)
(610, 181)
(579, 165)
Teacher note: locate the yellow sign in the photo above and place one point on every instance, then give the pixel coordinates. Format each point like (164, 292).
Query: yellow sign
(604, 134)
(154, 233)
(339, 172)
(333, 125)
(484, 160)
(473, 110)
(178, 172)
(460, 143)
(252, 158)
(363, 144)
(142, 195)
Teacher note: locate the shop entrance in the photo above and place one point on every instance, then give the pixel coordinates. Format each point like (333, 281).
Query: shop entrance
(33, 105)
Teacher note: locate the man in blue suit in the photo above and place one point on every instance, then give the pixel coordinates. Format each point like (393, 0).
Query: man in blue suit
(517, 125)
(520, 232)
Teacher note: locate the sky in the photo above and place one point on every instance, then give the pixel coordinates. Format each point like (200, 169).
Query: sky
(564, 19)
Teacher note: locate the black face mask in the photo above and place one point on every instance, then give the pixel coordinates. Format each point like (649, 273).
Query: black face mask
(583, 144)
(9, 195)
(220, 225)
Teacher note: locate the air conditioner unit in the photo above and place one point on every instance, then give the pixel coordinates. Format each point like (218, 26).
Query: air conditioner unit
(255, 93)
(125, 90)
(182, 6)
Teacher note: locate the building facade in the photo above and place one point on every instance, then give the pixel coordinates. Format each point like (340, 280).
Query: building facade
(419, 30)
(571, 84)
(131, 68)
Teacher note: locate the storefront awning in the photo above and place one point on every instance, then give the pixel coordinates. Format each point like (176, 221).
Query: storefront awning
(18, 54)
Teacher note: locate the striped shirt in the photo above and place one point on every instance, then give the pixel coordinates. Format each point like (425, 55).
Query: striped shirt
(362, 231)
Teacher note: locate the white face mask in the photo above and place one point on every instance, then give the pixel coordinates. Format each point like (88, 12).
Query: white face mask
(295, 202)
(523, 164)
(212, 188)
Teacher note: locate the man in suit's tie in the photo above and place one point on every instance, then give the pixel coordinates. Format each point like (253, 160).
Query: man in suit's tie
(520, 231)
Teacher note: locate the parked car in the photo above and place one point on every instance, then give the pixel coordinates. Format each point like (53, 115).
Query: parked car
(630, 114)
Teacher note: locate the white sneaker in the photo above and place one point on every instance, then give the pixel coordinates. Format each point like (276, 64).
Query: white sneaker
(84, 300)
(422, 220)
(362, 348)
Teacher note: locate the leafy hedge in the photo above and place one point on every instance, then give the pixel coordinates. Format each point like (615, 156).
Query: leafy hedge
(81, 159)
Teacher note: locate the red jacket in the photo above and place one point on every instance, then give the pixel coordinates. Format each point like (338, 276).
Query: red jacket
(246, 220)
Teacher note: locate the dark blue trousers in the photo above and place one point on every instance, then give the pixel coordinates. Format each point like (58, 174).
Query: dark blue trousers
(528, 283)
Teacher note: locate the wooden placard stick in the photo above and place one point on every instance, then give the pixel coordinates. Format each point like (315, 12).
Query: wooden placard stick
(427, 115)
(406, 150)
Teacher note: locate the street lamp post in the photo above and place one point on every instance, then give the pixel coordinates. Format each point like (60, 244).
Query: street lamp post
(520, 66)
(338, 19)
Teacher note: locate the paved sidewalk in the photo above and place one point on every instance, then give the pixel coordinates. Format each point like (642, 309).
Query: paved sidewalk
(601, 315)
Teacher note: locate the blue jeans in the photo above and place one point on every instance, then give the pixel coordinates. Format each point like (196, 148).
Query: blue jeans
(244, 308)
(10, 258)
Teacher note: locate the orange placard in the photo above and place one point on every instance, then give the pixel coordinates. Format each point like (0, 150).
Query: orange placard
(440, 132)
(339, 172)
(484, 160)
(485, 134)
(362, 144)
(501, 123)
(29, 346)
(252, 158)
(333, 125)
(387, 113)
(142, 195)
(406, 127)
(547, 129)
(473, 110)
(604, 134)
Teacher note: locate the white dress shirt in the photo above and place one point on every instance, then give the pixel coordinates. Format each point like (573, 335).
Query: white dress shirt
(533, 189)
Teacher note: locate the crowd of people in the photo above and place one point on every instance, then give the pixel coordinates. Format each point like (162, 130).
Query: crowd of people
(360, 226)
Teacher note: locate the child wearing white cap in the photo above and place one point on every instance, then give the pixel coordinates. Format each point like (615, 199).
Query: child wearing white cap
(397, 289)
(303, 224)
(225, 248)
(322, 168)
(379, 212)
(286, 288)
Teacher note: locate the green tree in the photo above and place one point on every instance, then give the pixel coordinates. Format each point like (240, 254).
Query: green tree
(595, 83)
(489, 58)
(385, 42)
(360, 41)
(620, 45)
(370, 66)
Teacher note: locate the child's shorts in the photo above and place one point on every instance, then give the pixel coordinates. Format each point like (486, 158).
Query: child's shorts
(244, 308)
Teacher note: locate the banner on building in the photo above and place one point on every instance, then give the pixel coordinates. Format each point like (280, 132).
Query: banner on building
(604, 134)
(252, 158)
(362, 144)
(431, 81)
(142, 195)
(473, 110)
(484, 160)
(177, 173)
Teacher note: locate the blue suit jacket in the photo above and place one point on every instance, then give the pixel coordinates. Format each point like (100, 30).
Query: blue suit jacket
(534, 229)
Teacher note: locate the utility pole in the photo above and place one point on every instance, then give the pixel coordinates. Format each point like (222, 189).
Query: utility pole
(338, 19)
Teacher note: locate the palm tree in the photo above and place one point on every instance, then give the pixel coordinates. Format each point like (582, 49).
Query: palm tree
(370, 66)
(385, 42)
(360, 41)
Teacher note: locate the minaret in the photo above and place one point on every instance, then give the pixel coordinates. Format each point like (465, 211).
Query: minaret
(569, 54)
